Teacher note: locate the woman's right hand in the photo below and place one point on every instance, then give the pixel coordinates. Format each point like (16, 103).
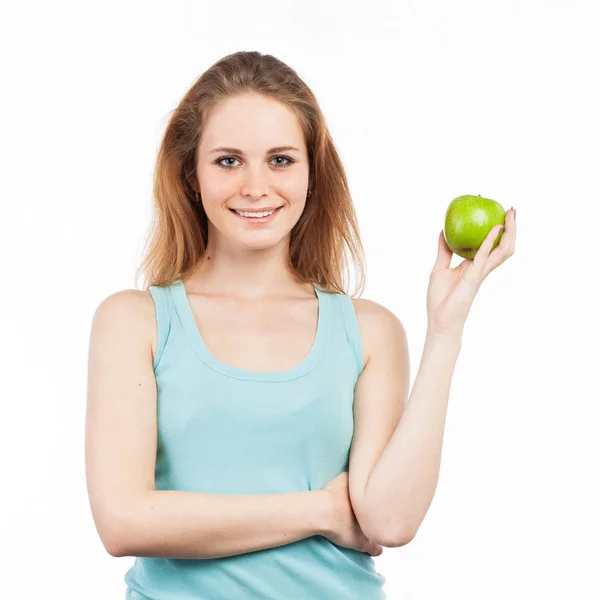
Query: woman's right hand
(344, 529)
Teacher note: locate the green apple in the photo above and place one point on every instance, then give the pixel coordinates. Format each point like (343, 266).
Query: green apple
(469, 219)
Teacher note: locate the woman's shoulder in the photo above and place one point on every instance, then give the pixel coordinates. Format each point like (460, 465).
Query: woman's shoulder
(375, 323)
(131, 309)
(131, 302)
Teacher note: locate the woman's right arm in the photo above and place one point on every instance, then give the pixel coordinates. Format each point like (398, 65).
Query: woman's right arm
(131, 516)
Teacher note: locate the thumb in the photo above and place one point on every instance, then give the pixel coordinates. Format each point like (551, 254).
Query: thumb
(444, 255)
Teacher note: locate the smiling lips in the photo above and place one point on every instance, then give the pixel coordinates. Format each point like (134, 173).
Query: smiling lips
(257, 220)
(267, 209)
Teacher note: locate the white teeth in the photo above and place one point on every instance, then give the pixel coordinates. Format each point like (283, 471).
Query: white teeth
(255, 214)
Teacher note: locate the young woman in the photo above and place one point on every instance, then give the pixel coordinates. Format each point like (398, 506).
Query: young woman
(243, 433)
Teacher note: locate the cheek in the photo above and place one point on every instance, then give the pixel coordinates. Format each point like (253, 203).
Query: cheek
(294, 212)
(212, 178)
(216, 211)
(214, 187)
(293, 192)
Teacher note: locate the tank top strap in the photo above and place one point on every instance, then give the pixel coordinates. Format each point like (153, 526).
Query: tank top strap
(352, 330)
(162, 306)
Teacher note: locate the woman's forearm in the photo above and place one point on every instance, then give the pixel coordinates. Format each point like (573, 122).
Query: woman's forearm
(176, 524)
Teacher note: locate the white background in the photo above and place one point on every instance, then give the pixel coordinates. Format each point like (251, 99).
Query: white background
(425, 100)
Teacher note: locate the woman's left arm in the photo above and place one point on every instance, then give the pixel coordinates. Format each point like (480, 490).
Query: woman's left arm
(394, 488)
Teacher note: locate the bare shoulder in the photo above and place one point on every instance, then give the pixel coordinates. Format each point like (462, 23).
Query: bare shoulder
(136, 304)
(129, 308)
(378, 326)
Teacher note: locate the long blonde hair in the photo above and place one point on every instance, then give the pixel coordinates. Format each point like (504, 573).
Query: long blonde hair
(328, 226)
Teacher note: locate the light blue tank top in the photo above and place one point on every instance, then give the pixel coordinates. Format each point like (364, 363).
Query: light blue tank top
(225, 430)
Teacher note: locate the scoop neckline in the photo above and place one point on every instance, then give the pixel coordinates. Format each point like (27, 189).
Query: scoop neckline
(192, 332)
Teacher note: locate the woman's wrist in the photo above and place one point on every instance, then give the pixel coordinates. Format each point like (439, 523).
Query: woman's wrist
(325, 512)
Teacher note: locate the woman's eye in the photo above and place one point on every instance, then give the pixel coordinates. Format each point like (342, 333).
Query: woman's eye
(220, 162)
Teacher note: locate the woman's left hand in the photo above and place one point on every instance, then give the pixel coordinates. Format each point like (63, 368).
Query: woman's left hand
(451, 291)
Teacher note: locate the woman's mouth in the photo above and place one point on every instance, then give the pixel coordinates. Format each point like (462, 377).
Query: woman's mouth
(261, 218)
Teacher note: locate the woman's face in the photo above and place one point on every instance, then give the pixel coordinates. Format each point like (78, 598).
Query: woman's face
(249, 174)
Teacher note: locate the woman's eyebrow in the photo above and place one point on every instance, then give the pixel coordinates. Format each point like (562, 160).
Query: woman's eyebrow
(238, 151)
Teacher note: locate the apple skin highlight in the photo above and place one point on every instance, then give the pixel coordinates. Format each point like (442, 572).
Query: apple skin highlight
(468, 221)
